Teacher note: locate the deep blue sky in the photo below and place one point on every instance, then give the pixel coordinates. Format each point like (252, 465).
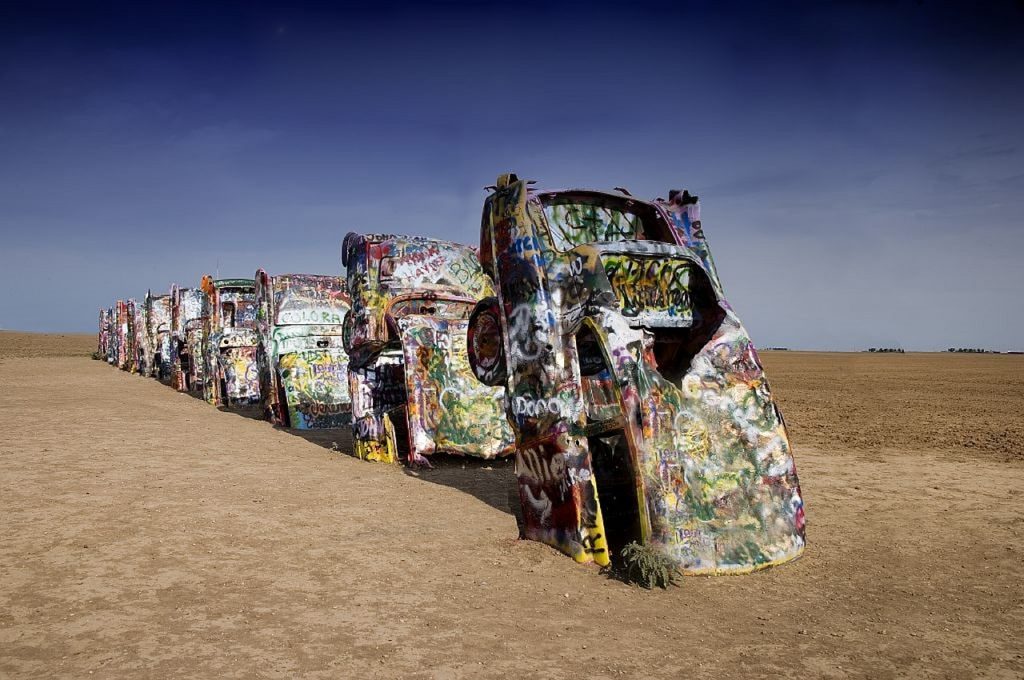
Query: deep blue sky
(860, 166)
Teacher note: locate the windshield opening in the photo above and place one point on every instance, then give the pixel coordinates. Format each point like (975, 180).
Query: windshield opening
(575, 220)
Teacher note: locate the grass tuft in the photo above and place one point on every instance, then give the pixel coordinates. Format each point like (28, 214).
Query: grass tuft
(647, 567)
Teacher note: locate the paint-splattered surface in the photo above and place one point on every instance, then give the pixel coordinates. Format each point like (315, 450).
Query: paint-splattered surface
(188, 307)
(158, 329)
(641, 410)
(449, 409)
(301, 361)
(411, 298)
(230, 340)
(138, 543)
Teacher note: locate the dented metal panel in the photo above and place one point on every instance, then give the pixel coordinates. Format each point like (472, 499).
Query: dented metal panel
(640, 406)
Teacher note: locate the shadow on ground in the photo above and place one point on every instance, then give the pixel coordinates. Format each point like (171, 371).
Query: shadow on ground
(249, 411)
(338, 439)
(491, 481)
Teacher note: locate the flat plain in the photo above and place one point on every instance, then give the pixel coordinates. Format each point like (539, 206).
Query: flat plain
(144, 533)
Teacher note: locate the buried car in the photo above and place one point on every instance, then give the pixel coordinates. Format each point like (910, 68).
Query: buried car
(230, 338)
(642, 412)
(158, 331)
(141, 364)
(103, 344)
(118, 332)
(188, 312)
(413, 392)
(125, 327)
(301, 360)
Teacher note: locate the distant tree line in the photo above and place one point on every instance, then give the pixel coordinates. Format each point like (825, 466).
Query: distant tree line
(897, 350)
(971, 350)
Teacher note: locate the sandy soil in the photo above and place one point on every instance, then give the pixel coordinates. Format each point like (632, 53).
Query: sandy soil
(18, 344)
(144, 533)
(964, 405)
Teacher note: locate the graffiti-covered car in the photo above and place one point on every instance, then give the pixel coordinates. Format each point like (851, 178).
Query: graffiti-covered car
(188, 312)
(141, 364)
(230, 336)
(413, 392)
(106, 322)
(126, 347)
(642, 412)
(302, 365)
(158, 331)
(118, 335)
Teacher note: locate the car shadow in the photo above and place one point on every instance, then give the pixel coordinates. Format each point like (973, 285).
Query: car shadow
(491, 481)
(338, 439)
(248, 411)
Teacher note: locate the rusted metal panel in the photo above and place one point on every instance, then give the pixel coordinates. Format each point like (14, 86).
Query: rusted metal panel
(640, 406)
(413, 391)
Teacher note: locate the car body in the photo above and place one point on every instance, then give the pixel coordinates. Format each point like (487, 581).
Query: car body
(231, 373)
(188, 316)
(413, 393)
(143, 351)
(158, 331)
(301, 360)
(126, 335)
(103, 342)
(117, 333)
(640, 406)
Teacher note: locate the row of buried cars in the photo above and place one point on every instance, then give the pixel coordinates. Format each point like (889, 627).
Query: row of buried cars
(587, 335)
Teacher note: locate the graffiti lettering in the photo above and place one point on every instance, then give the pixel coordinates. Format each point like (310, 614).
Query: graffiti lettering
(321, 409)
(592, 543)
(533, 408)
(310, 316)
(650, 285)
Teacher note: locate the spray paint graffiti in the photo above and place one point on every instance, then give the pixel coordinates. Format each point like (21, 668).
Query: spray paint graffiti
(302, 367)
(141, 364)
(189, 307)
(229, 353)
(639, 403)
(158, 335)
(117, 335)
(126, 338)
(104, 334)
(413, 390)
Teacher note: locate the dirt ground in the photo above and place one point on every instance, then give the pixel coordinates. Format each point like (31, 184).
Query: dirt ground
(144, 533)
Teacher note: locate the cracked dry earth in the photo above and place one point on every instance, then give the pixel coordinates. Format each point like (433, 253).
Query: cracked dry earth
(144, 533)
